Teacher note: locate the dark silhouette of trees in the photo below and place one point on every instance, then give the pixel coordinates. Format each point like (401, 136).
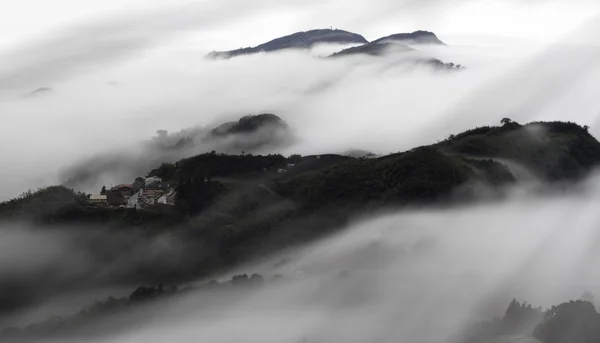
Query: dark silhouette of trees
(103, 190)
(138, 184)
(572, 322)
(521, 318)
(551, 159)
(420, 175)
(46, 204)
(505, 121)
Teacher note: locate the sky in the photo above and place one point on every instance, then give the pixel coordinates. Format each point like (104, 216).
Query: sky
(120, 70)
(529, 20)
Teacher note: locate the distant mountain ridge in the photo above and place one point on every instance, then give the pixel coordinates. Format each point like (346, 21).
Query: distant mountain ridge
(298, 40)
(413, 38)
(374, 49)
(377, 49)
(307, 39)
(250, 124)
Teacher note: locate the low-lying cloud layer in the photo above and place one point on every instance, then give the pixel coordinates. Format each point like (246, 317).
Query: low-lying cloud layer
(414, 274)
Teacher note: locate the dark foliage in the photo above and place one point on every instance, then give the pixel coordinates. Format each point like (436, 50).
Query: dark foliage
(166, 172)
(521, 318)
(196, 193)
(212, 165)
(45, 204)
(572, 322)
(552, 150)
(420, 175)
(57, 325)
(250, 124)
(196, 189)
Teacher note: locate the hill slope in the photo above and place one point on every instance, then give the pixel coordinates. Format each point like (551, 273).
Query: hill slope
(231, 209)
(552, 150)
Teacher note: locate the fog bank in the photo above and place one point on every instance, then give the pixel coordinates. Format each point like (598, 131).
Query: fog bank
(418, 275)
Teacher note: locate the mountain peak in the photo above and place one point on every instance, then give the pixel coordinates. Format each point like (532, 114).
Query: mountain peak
(414, 38)
(298, 40)
(373, 49)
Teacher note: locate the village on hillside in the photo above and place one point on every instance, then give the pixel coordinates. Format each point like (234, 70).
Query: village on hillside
(142, 193)
(152, 193)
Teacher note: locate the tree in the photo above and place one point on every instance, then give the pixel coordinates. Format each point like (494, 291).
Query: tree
(520, 318)
(505, 121)
(103, 190)
(586, 128)
(573, 322)
(138, 184)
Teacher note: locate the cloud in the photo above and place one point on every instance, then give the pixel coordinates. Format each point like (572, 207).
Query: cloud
(38, 265)
(377, 104)
(82, 47)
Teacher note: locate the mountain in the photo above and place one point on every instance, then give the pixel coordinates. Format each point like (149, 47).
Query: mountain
(231, 209)
(374, 49)
(552, 151)
(251, 134)
(298, 40)
(250, 124)
(414, 38)
(385, 49)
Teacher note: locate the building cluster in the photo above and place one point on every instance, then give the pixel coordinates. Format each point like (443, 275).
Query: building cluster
(142, 193)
